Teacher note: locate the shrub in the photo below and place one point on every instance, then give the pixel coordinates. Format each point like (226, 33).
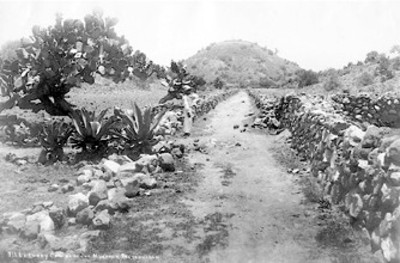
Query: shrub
(372, 57)
(332, 83)
(306, 78)
(92, 132)
(266, 82)
(8, 50)
(218, 83)
(365, 79)
(396, 63)
(383, 70)
(53, 138)
(138, 134)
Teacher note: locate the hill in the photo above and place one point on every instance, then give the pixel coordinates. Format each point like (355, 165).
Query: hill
(241, 62)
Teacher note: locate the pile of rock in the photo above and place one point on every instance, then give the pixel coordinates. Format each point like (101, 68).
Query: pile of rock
(382, 111)
(101, 191)
(358, 168)
(267, 117)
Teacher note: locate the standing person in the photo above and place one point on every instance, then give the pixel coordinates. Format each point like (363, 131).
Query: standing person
(182, 87)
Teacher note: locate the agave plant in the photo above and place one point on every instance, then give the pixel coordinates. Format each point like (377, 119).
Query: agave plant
(92, 132)
(138, 134)
(53, 138)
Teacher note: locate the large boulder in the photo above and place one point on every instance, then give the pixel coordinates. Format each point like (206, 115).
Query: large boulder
(76, 203)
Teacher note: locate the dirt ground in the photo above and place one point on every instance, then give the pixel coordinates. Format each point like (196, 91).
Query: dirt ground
(230, 200)
(269, 218)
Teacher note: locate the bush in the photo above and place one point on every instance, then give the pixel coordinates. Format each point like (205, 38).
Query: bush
(266, 82)
(306, 78)
(8, 50)
(372, 57)
(365, 79)
(218, 83)
(383, 70)
(332, 83)
(396, 63)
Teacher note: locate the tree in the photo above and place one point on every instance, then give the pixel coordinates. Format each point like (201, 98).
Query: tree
(7, 50)
(55, 59)
(395, 49)
(372, 57)
(306, 78)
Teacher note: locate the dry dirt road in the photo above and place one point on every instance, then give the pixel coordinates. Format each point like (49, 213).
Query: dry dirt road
(267, 218)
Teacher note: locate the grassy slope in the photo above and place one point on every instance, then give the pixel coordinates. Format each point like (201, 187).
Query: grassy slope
(238, 61)
(349, 81)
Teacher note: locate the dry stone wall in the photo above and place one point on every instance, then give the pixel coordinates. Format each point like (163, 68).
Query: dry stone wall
(358, 167)
(382, 111)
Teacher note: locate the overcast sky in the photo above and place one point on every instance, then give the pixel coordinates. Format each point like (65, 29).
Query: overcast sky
(315, 34)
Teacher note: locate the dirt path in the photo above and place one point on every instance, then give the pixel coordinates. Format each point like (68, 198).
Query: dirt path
(266, 217)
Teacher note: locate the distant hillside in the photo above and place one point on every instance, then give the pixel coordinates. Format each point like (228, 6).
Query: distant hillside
(378, 75)
(241, 62)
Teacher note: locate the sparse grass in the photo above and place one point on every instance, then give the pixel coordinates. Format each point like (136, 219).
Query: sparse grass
(286, 156)
(311, 189)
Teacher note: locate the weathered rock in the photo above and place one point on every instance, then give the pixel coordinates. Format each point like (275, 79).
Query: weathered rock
(132, 167)
(98, 192)
(131, 186)
(106, 205)
(48, 204)
(47, 225)
(167, 162)
(85, 171)
(106, 176)
(102, 220)
(85, 238)
(31, 229)
(393, 153)
(53, 188)
(177, 153)
(71, 221)
(15, 222)
(118, 200)
(389, 249)
(148, 159)
(67, 188)
(85, 216)
(162, 147)
(58, 215)
(120, 159)
(37, 223)
(148, 183)
(76, 203)
(112, 166)
(83, 178)
(59, 244)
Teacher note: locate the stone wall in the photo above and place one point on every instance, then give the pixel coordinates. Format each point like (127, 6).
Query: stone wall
(382, 111)
(358, 167)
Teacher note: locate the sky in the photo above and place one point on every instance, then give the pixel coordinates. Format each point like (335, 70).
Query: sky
(315, 34)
